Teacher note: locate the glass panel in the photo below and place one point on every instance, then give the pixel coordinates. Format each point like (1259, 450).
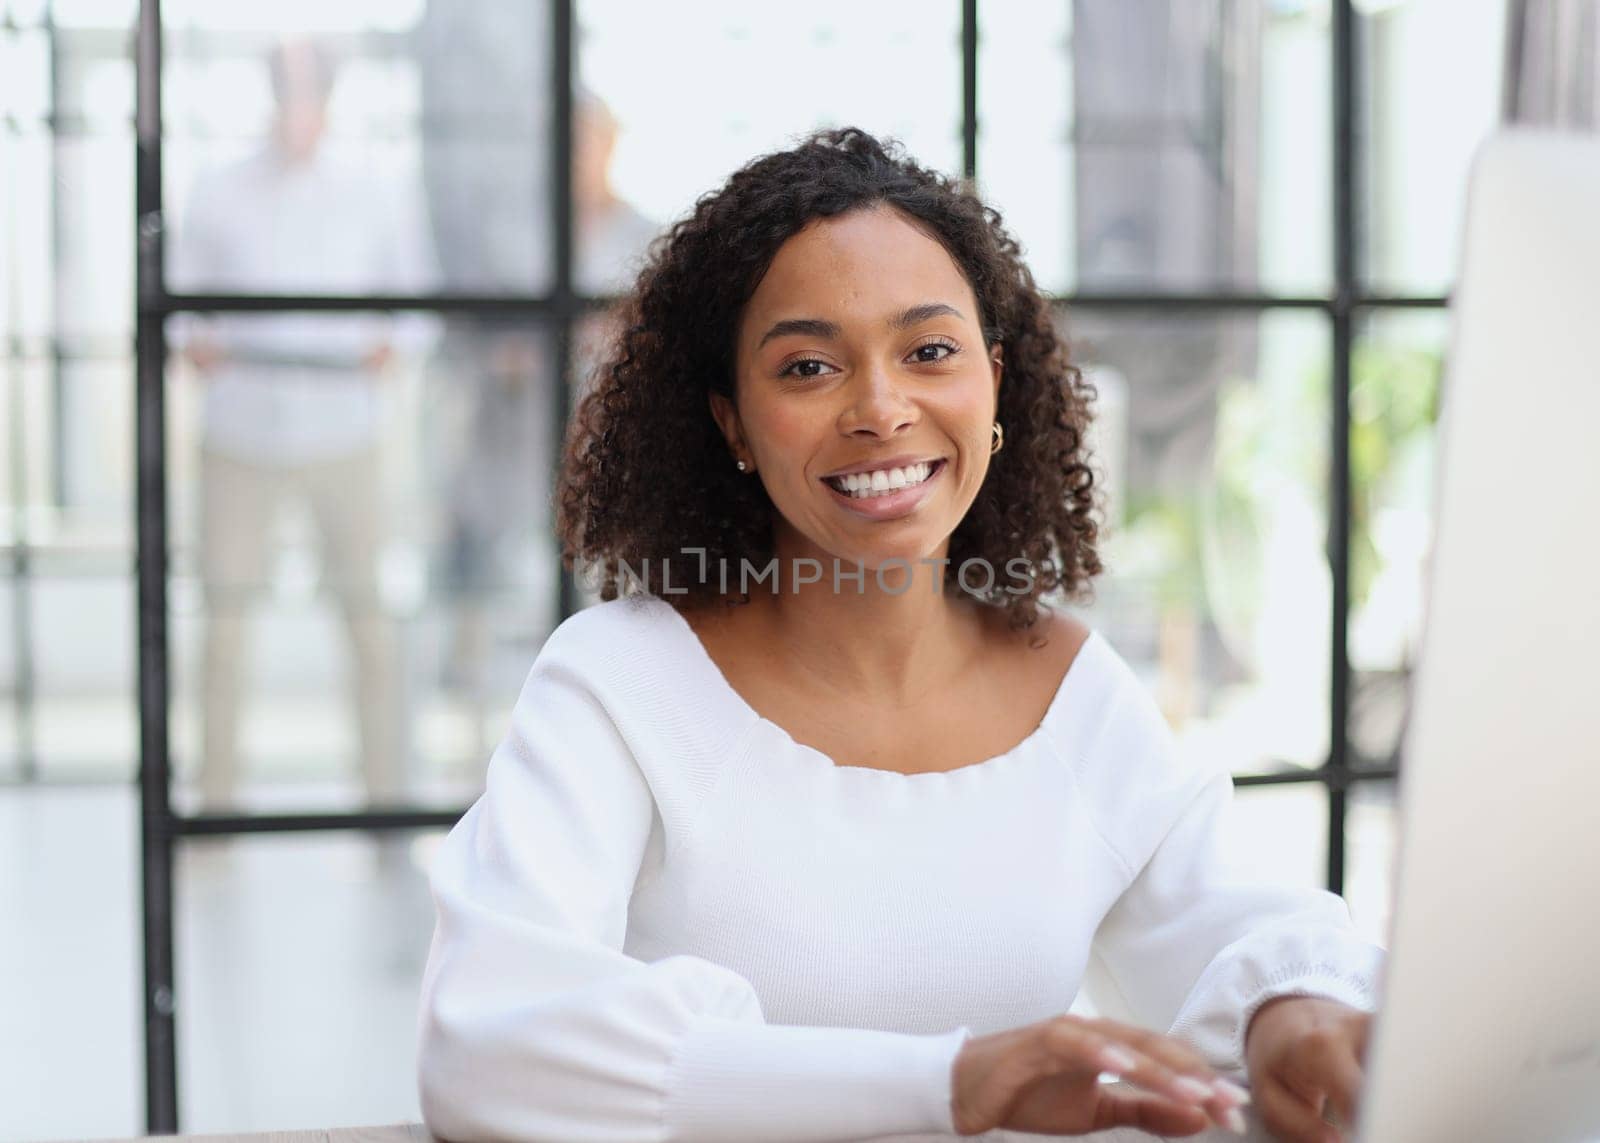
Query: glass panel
(94, 239)
(37, 445)
(25, 12)
(1551, 77)
(25, 62)
(611, 233)
(1171, 147)
(10, 280)
(27, 274)
(10, 710)
(72, 454)
(1427, 112)
(1394, 405)
(1371, 834)
(482, 78)
(69, 964)
(489, 434)
(70, 629)
(13, 445)
(15, 191)
(300, 964)
(401, 150)
(118, 14)
(85, 655)
(91, 474)
(1211, 436)
(760, 76)
(1025, 148)
(94, 81)
(363, 563)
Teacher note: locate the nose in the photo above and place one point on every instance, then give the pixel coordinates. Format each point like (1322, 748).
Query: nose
(877, 404)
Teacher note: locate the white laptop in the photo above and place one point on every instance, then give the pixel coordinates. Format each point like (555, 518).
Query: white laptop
(1489, 1025)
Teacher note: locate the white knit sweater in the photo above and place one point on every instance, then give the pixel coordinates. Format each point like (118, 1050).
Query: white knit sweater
(666, 920)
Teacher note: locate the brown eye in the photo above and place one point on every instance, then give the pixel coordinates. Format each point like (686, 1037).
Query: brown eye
(950, 351)
(789, 370)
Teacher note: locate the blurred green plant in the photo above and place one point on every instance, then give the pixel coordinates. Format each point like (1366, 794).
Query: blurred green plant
(1159, 535)
(1394, 402)
(1265, 441)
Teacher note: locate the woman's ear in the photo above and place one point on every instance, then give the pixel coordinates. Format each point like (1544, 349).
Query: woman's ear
(997, 361)
(727, 418)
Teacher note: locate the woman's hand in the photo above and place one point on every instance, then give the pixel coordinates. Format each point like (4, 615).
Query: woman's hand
(1044, 1078)
(1305, 1057)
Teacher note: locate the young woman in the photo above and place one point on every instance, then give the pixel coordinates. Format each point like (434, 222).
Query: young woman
(814, 828)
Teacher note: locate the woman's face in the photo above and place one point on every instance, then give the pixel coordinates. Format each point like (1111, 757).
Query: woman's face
(861, 353)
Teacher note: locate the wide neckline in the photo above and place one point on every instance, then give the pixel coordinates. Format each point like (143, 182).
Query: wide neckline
(753, 716)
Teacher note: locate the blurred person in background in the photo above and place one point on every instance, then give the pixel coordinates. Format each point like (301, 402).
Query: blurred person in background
(1166, 98)
(482, 69)
(1553, 76)
(612, 234)
(294, 402)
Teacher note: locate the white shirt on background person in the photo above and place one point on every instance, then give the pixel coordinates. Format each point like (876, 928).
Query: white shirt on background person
(292, 387)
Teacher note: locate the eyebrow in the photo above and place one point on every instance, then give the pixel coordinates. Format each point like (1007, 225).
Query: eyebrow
(819, 327)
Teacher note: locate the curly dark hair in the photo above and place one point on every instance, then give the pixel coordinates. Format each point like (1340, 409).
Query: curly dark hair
(645, 470)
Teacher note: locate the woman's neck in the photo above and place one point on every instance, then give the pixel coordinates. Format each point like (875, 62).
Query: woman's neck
(894, 641)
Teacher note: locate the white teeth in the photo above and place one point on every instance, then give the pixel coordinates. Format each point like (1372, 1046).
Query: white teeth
(861, 485)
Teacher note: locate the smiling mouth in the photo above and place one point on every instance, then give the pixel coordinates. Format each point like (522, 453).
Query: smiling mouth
(883, 482)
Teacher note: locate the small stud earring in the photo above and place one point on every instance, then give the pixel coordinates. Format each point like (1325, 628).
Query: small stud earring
(741, 466)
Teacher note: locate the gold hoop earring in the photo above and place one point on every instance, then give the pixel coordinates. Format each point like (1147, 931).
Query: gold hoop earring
(999, 439)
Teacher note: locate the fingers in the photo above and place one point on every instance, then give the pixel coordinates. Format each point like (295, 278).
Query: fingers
(1166, 1063)
(1172, 1055)
(1322, 1068)
(1163, 1066)
(1148, 1072)
(1290, 1118)
(1146, 1111)
(1344, 1087)
(1362, 1022)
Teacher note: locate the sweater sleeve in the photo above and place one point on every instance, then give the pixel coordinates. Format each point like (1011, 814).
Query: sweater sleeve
(535, 1025)
(1194, 945)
